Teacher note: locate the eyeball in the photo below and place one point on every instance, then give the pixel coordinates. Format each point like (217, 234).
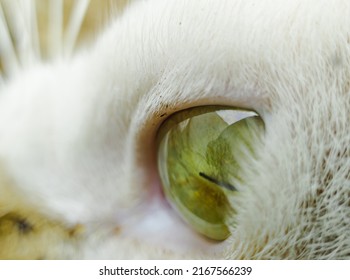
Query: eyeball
(199, 152)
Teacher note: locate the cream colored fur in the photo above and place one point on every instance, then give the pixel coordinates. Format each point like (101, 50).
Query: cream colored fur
(78, 133)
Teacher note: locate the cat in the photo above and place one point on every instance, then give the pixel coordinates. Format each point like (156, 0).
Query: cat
(78, 171)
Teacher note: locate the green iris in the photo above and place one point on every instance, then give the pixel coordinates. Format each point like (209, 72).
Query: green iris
(198, 160)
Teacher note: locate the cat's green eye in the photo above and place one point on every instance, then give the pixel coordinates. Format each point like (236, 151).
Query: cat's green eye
(199, 152)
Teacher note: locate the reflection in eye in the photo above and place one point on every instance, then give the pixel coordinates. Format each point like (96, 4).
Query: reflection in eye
(199, 152)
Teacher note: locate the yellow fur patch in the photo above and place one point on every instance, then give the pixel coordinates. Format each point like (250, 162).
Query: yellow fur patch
(27, 234)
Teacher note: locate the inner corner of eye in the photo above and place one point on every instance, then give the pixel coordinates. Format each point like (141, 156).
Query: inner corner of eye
(197, 160)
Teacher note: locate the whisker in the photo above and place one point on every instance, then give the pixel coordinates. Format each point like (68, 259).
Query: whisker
(8, 55)
(22, 32)
(28, 30)
(35, 30)
(74, 25)
(19, 23)
(55, 28)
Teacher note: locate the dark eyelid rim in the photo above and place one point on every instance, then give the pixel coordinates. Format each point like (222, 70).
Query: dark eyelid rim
(175, 118)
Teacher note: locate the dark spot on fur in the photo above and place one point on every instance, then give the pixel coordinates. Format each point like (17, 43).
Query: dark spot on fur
(117, 230)
(14, 221)
(76, 230)
(23, 226)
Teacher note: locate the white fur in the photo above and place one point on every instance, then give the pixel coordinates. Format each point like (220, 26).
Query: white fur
(78, 133)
